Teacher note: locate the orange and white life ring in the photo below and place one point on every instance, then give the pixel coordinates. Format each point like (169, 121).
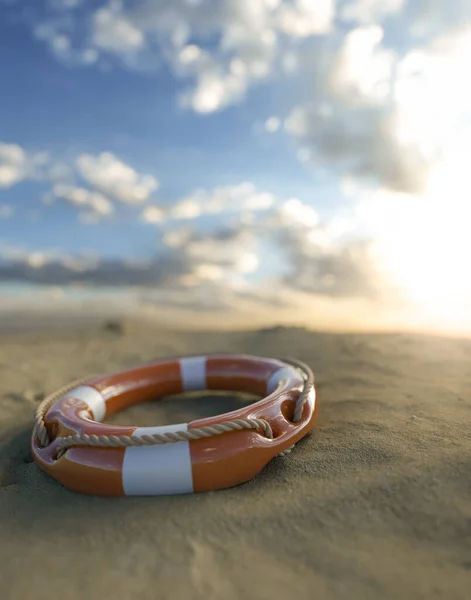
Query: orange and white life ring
(71, 443)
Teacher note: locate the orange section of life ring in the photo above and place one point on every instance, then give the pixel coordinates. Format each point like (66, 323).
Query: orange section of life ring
(70, 443)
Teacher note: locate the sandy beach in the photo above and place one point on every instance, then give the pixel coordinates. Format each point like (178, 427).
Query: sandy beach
(374, 505)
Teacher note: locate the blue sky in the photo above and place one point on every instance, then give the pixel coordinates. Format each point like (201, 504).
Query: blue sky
(265, 153)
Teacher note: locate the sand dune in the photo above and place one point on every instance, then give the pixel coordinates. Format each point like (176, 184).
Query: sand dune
(375, 505)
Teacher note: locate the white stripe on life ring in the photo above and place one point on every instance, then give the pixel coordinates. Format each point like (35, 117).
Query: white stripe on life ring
(193, 373)
(91, 397)
(277, 376)
(159, 469)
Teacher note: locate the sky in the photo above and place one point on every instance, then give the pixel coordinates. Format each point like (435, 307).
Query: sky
(224, 161)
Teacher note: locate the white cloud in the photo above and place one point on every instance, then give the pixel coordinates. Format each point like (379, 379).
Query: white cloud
(36, 260)
(61, 27)
(272, 124)
(221, 53)
(223, 255)
(95, 204)
(304, 18)
(239, 197)
(55, 33)
(115, 178)
(214, 90)
(361, 143)
(294, 212)
(254, 40)
(221, 259)
(113, 32)
(13, 164)
(217, 263)
(249, 40)
(17, 164)
(153, 214)
(189, 208)
(363, 117)
(384, 118)
(361, 69)
(319, 261)
(232, 251)
(92, 184)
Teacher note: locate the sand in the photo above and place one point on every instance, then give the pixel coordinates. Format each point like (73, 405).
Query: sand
(376, 504)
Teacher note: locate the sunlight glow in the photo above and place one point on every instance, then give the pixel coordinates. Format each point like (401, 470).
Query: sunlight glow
(423, 244)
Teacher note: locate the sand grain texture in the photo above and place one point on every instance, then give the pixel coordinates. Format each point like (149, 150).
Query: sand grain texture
(375, 505)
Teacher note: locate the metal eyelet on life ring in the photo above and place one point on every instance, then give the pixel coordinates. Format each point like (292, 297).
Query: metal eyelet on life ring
(92, 457)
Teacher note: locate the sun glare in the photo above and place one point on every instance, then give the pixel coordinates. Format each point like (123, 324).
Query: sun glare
(424, 243)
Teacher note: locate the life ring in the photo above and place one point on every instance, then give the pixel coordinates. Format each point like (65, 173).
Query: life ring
(70, 442)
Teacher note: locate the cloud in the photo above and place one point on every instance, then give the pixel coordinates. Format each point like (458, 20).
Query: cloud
(272, 124)
(239, 197)
(242, 200)
(12, 164)
(94, 185)
(293, 213)
(303, 18)
(318, 261)
(383, 117)
(153, 214)
(61, 29)
(113, 32)
(97, 185)
(198, 258)
(220, 51)
(347, 271)
(252, 40)
(361, 143)
(53, 269)
(114, 178)
(221, 254)
(225, 255)
(16, 164)
(363, 62)
(94, 203)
